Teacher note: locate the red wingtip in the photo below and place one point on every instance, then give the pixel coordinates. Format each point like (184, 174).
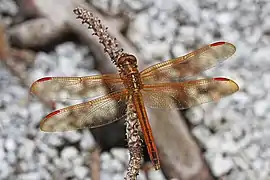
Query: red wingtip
(44, 79)
(52, 114)
(221, 79)
(217, 43)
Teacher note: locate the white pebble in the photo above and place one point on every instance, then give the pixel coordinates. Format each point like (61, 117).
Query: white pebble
(213, 144)
(195, 115)
(48, 150)
(157, 175)
(27, 149)
(261, 107)
(221, 165)
(224, 18)
(81, 171)
(229, 147)
(69, 153)
(10, 144)
(241, 163)
(55, 140)
(252, 151)
(120, 154)
(29, 176)
(79, 160)
(4, 170)
(42, 159)
(213, 118)
(201, 133)
(2, 153)
(11, 157)
(87, 141)
(73, 136)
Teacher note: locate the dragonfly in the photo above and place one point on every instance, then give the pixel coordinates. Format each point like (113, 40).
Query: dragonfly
(158, 86)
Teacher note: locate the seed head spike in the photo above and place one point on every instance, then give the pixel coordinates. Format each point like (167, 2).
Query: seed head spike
(110, 44)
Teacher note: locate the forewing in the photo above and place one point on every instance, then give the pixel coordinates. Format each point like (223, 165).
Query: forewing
(188, 65)
(186, 94)
(92, 114)
(56, 88)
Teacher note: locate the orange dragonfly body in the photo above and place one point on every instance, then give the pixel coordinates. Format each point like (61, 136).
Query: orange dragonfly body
(151, 87)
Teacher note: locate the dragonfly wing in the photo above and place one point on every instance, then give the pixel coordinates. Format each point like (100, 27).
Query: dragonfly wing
(56, 88)
(187, 94)
(92, 114)
(188, 65)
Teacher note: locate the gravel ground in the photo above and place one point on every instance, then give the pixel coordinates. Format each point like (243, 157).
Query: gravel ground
(167, 29)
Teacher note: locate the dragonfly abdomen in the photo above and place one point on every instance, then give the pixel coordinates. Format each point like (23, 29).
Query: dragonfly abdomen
(146, 128)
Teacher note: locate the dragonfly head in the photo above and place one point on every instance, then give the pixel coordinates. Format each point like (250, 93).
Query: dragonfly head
(126, 60)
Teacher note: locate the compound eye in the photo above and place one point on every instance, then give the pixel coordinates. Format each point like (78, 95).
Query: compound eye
(121, 60)
(132, 59)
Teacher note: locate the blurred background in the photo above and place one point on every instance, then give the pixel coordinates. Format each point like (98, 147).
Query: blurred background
(42, 38)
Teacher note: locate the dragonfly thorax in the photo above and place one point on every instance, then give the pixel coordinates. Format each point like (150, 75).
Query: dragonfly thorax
(129, 72)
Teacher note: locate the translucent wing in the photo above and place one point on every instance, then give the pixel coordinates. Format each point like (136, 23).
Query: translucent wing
(187, 94)
(55, 88)
(188, 65)
(92, 114)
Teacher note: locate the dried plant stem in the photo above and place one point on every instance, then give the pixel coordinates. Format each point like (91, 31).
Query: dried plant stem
(134, 142)
(132, 124)
(110, 44)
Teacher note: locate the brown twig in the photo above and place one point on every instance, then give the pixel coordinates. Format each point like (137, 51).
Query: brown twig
(3, 43)
(95, 163)
(10, 58)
